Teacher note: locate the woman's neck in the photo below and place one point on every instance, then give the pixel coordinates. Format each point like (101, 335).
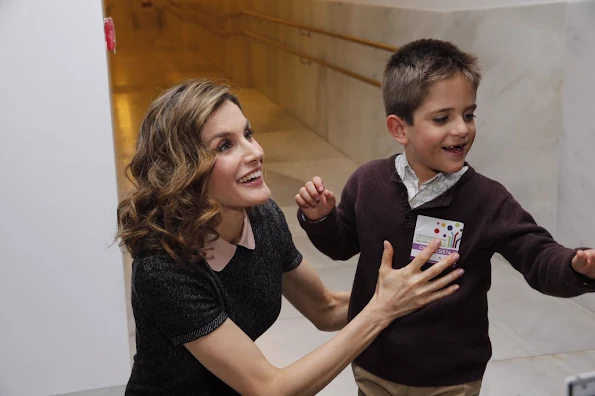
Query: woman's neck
(230, 227)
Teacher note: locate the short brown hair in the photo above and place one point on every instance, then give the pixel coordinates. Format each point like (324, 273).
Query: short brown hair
(170, 210)
(413, 68)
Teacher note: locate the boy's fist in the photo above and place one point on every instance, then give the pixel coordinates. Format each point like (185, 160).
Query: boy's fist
(584, 263)
(315, 201)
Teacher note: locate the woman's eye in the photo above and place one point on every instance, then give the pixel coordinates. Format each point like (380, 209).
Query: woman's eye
(249, 133)
(224, 146)
(470, 117)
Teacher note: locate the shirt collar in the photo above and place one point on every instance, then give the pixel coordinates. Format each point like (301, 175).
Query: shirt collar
(405, 171)
(407, 174)
(220, 252)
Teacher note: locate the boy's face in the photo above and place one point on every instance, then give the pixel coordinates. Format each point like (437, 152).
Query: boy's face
(443, 129)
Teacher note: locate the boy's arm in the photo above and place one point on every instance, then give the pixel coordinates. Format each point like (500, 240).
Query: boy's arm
(336, 234)
(545, 264)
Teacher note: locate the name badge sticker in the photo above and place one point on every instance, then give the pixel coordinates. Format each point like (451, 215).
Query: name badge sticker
(427, 229)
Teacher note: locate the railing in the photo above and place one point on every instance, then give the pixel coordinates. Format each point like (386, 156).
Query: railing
(325, 32)
(199, 12)
(321, 62)
(198, 15)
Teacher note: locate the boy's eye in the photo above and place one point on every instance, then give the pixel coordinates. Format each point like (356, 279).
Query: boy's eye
(470, 117)
(441, 120)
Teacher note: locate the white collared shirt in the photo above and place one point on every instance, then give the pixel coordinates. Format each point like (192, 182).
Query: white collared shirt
(429, 190)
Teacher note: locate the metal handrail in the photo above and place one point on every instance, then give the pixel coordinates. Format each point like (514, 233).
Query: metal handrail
(196, 8)
(180, 12)
(223, 32)
(321, 62)
(325, 32)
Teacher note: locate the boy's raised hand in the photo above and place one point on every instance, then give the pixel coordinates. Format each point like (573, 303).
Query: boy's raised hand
(584, 263)
(315, 201)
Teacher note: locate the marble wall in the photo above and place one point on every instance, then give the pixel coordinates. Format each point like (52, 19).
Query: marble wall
(521, 52)
(576, 183)
(530, 123)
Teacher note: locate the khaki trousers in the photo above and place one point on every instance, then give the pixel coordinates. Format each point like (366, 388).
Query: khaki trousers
(372, 385)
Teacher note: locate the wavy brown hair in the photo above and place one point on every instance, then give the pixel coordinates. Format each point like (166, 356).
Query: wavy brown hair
(169, 209)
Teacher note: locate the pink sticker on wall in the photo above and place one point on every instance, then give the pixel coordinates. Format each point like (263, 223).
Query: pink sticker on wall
(110, 34)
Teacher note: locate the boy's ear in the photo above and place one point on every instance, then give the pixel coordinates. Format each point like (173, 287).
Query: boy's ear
(397, 128)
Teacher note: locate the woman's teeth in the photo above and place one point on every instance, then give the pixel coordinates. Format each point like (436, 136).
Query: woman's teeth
(250, 177)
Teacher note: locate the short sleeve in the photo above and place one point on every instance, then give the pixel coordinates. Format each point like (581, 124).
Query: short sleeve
(181, 300)
(290, 256)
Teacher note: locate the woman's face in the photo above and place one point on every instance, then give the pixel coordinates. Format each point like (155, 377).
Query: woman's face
(236, 180)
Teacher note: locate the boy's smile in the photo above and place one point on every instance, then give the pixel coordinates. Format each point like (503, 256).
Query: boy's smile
(456, 150)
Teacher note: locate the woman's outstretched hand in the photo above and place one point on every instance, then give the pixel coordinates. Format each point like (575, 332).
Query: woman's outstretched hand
(402, 291)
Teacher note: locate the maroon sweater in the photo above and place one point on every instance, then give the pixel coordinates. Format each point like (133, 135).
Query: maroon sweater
(446, 342)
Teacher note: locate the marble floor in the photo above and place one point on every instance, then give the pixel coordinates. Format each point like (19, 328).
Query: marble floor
(538, 340)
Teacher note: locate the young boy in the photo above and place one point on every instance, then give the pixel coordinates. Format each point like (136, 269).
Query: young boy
(428, 192)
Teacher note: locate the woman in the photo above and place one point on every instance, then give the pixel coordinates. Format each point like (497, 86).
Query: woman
(213, 256)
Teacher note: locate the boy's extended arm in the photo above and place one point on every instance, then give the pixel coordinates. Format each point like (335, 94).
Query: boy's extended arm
(336, 234)
(545, 264)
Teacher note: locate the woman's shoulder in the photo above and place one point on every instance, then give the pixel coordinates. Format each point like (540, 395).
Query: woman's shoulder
(267, 214)
(159, 274)
(159, 264)
(153, 261)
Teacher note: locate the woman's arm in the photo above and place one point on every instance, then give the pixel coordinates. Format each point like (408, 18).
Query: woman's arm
(304, 289)
(232, 356)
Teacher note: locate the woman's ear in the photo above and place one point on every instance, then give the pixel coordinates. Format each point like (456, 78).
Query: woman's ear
(397, 127)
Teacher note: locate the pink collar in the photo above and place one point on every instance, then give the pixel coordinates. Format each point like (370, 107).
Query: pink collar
(220, 252)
